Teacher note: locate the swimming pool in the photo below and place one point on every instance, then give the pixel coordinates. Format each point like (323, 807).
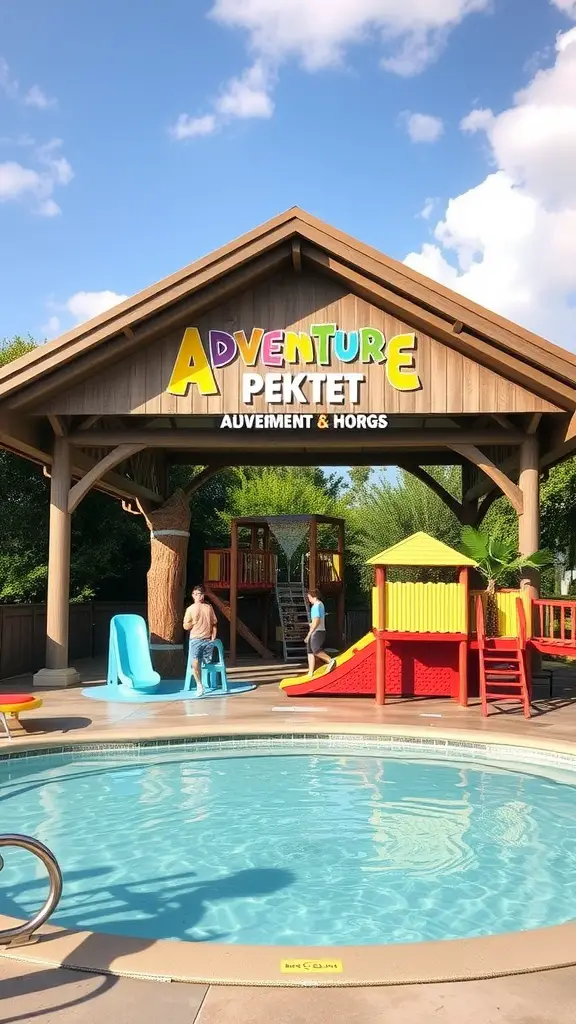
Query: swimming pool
(275, 842)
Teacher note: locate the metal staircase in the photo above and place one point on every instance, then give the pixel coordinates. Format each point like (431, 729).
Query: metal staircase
(294, 619)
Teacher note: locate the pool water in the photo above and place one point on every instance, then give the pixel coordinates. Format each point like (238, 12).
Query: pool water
(303, 849)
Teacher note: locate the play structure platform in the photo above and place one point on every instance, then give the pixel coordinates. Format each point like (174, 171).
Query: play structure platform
(429, 638)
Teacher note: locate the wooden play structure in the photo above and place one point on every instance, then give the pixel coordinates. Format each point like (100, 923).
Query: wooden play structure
(249, 570)
(428, 639)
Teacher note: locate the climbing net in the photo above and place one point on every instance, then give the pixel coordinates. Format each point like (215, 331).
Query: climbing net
(289, 532)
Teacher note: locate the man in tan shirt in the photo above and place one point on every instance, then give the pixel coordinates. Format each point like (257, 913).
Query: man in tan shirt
(200, 620)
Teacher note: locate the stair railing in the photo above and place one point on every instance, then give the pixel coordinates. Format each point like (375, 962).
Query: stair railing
(23, 932)
(522, 624)
(480, 622)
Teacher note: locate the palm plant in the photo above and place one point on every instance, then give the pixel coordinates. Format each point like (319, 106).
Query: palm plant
(497, 560)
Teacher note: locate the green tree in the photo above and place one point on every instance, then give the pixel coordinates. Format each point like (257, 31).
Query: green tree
(392, 510)
(282, 490)
(110, 549)
(499, 562)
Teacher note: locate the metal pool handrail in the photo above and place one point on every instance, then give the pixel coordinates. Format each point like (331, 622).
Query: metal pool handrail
(24, 931)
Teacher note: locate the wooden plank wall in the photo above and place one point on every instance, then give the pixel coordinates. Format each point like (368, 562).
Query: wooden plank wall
(23, 633)
(451, 383)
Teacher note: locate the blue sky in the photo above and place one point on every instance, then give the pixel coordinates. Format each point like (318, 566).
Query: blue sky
(99, 195)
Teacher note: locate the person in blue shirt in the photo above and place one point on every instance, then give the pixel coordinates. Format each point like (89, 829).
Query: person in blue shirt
(316, 636)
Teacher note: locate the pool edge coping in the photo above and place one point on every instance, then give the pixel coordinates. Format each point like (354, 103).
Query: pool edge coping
(449, 960)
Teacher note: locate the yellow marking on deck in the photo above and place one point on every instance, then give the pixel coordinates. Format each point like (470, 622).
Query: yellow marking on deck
(311, 967)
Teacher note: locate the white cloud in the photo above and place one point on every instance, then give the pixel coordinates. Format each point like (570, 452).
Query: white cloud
(428, 209)
(478, 120)
(187, 127)
(35, 185)
(86, 305)
(8, 85)
(247, 96)
(424, 127)
(33, 97)
(51, 328)
(509, 243)
(317, 34)
(566, 6)
(77, 309)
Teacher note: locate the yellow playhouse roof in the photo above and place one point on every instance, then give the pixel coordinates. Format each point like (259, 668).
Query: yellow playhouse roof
(420, 549)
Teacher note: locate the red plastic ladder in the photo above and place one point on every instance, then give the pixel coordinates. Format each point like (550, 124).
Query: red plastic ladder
(504, 674)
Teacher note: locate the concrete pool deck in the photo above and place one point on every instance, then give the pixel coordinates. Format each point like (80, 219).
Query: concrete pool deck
(69, 717)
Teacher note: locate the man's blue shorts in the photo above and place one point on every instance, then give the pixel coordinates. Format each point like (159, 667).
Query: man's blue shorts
(201, 650)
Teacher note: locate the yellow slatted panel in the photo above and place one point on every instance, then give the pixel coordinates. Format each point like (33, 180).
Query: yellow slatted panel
(337, 563)
(507, 615)
(424, 607)
(214, 562)
(376, 624)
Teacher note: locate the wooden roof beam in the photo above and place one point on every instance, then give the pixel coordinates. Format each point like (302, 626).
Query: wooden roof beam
(410, 284)
(430, 322)
(224, 440)
(57, 374)
(27, 437)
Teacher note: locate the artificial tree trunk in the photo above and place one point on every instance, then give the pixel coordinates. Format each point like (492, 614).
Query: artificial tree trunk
(169, 528)
(491, 609)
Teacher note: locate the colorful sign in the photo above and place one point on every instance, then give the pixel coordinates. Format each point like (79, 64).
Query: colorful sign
(277, 350)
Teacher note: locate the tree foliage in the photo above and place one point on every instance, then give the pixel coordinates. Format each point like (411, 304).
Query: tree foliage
(384, 512)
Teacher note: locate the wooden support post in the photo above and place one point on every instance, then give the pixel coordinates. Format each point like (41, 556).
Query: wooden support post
(265, 618)
(313, 559)
(529, 523)
(57, 672)
(233, 592)
(529, 482)
(463, 579)
(341, 606)
(380, 582)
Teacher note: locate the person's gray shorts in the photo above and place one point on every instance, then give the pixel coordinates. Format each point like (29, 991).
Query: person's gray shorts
(316, 641)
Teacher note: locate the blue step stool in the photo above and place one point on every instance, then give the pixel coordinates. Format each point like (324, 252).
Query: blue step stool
(213, 673)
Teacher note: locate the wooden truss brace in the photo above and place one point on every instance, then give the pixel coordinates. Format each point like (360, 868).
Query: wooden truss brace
(112, 459)
(479, 459)
(452, 503)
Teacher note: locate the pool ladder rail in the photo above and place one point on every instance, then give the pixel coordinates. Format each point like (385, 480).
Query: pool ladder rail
(22, 933)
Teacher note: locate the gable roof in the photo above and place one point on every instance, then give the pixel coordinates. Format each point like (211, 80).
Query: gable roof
(420, 549)
(510, 350)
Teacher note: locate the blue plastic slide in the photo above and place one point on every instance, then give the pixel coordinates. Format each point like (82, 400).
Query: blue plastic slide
(129, 659)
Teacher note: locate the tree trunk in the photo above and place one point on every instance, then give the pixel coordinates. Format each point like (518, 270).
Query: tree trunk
(491, 610)
(169, 528)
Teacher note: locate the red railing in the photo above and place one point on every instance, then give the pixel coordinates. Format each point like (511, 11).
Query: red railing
(522, 624)
(255, 568)
(555, 621)
(480, 626)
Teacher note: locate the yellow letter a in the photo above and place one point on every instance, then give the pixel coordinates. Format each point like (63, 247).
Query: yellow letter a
(192, 367)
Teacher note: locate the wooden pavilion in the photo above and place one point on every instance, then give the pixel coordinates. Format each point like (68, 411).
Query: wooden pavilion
(295, 344)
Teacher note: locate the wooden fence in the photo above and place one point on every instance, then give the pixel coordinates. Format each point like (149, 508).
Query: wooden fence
(23, 633)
